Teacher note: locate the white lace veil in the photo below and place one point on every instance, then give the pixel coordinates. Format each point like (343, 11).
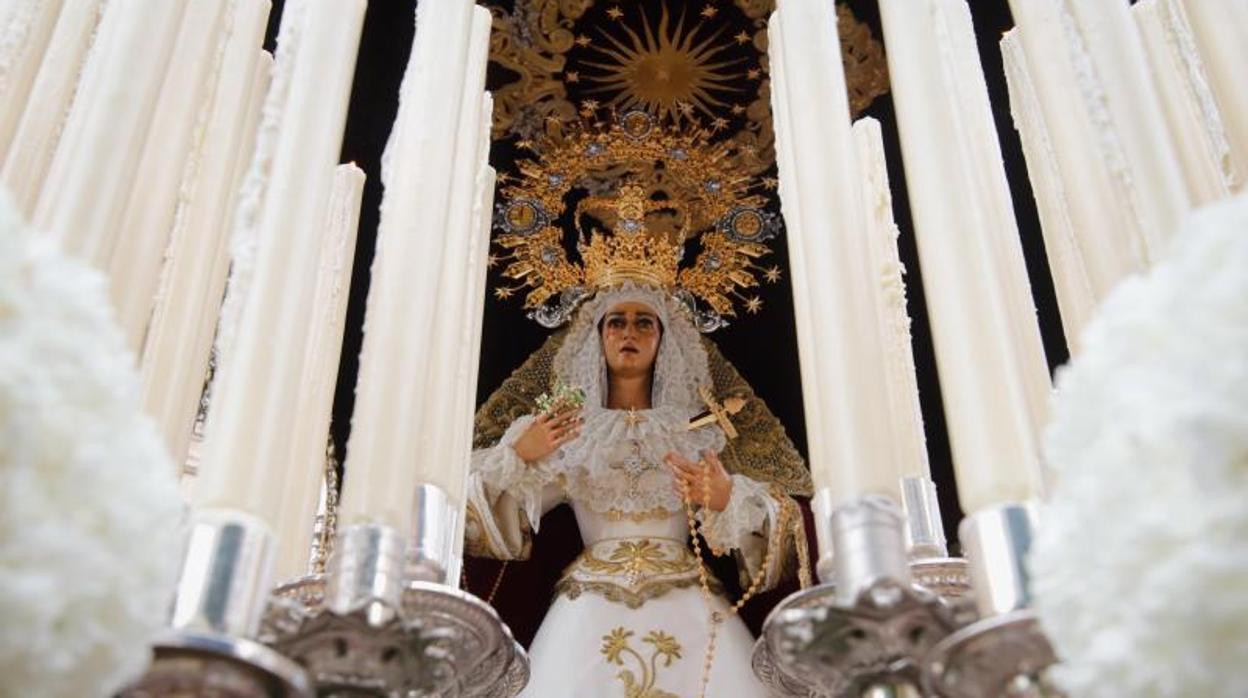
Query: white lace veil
(679, 369)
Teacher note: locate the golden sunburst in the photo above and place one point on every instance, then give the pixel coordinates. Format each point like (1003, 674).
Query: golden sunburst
(660, 71)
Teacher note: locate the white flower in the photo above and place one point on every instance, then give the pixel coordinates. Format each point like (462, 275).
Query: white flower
(91, 520)
(1141, 567)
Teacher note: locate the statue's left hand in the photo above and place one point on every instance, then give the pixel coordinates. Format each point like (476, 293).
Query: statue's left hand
(689, 480)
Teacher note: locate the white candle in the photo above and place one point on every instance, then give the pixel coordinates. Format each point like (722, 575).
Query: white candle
(781, 102)
(470, 362)
(25, 31)
(1001, 231)
(1117, 57)
(320, 374)
(1076, 299)
(442, 461)
(178, 343)
(37, 134)
(162, 178)
(1221, 31)
(381, 469)
(1182, 85)
(857, 457)
(941, 101)
(1096, 181)
(93, 170)
(905, 412)
(250, 425)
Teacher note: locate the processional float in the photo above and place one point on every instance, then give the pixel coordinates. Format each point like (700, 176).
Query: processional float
(382, 614)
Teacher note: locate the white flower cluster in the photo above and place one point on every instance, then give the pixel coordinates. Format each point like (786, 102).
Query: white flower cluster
(91, 520)
(1141, 566)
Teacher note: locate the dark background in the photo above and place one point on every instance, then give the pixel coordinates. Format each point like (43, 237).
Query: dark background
(762, 346)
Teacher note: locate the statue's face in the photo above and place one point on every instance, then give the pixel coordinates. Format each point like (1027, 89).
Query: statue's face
(630, 338)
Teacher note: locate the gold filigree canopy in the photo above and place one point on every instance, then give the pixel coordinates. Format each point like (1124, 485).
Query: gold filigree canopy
(656, 188)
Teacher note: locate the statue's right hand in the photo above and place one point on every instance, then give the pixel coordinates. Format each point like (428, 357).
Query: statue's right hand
(547, 433)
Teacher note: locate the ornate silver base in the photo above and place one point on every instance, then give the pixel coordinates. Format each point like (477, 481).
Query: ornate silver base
(1000, 657)
(439, 642)
(948, 578)
(826, 649)
(1005, 653)
(867, 632)
(220, 666)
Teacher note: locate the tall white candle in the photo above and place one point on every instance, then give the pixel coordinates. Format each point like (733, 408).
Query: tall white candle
(1109, 36)
(905, 412)
(442, 461)
(939, 96)
(25, 30)
(161, 180)
(1001, 227)
(1196, 131)
(1076, 299)
(381, 472)
(320, 374)
(1221, 28)
(175, 355)
(249, 431)
(470, 364)
(781, 102)
(93, 170)
(39, 130)
(1093, 170)
(857, 456)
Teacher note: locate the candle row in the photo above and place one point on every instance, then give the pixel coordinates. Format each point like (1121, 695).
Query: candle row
(420, 326)
(1128, 116)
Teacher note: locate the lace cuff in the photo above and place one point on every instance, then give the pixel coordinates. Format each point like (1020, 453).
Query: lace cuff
(744, 528)
(500, 470)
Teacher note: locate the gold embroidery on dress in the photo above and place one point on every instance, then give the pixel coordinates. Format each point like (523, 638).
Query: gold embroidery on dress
(617, 593)
(659, 512)
(635, 558)
(617, 645)
(631, 571)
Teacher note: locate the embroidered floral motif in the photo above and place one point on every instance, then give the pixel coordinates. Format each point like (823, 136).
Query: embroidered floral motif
(633, 559)
(617, 646)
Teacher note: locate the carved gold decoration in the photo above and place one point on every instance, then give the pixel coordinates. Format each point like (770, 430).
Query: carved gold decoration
(661, 71)
(656, 186)
(552, 54)
(617, 644)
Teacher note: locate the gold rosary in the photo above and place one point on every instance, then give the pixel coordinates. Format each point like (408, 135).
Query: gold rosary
(703, 576)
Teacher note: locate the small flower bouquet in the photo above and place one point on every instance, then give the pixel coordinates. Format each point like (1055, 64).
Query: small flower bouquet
(560, 398)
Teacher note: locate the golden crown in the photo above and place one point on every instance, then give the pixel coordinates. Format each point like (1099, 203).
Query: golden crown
(656, 189)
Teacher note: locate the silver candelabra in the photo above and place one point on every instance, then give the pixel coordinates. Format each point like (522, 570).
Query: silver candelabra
(896, 617)
(381, 621)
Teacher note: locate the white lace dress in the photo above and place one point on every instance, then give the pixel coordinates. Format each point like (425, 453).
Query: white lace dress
(630, 618)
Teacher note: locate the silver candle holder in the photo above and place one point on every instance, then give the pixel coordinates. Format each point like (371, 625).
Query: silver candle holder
(930, 564)
(219, 603)
(384, 621)
(1004, 653)
(861, 632)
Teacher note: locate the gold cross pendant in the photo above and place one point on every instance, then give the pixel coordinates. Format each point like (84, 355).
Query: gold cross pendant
(718, 413)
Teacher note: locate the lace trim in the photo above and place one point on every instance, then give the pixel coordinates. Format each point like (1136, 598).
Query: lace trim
(502, 470)
(750, 507)
(616, 465)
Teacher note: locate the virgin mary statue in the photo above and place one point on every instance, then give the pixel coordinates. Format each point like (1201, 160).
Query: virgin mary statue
(639, 439)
